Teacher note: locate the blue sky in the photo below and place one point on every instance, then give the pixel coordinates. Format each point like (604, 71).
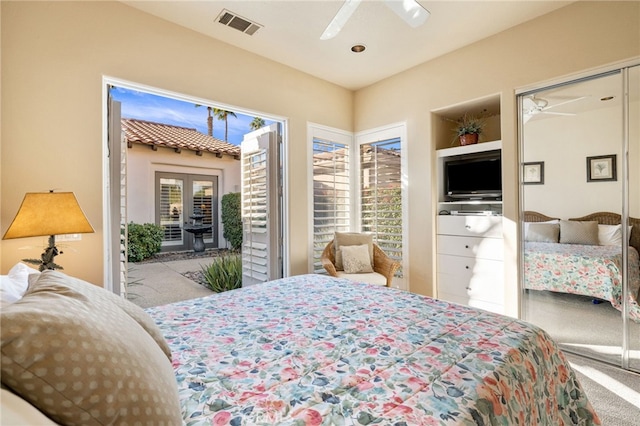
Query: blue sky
(145, 106)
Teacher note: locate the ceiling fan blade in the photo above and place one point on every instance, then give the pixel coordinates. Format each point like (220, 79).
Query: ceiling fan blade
(410, 11)
(564, 103)
(340, 19)
(556, 113)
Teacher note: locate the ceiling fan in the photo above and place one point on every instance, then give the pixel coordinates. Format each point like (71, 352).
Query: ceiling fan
(409, 10)
(533, 105)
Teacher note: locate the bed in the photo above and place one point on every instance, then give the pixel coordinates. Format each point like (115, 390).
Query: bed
(587, 268)
(304, 350)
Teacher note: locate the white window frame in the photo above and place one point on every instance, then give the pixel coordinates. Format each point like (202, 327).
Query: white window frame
(379, 134)
(318, 131)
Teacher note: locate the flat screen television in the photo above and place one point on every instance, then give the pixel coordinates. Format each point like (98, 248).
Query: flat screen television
(474, 177)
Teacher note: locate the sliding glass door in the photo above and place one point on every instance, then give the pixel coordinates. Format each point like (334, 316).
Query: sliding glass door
(580, 269)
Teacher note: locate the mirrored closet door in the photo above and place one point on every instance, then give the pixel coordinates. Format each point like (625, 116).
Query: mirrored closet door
(580, 182)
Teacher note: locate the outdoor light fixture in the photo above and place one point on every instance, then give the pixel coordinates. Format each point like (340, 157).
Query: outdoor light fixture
(48, 213)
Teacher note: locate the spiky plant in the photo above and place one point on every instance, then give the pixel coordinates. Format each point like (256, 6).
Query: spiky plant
(224, 273)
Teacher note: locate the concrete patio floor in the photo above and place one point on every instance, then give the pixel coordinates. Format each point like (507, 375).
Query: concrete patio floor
(159, 283)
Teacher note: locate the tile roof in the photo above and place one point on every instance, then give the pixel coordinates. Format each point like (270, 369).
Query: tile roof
(176, 137)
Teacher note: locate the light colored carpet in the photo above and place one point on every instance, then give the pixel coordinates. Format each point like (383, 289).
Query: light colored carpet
(579, 326)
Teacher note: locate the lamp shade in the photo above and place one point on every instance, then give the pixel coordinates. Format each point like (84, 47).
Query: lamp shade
(48, 213)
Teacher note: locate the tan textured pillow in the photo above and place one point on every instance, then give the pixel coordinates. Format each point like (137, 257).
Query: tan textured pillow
(577, 232)
(85, 363)
(101, 296)
(356, 259)
(350, 239)
(543, 232)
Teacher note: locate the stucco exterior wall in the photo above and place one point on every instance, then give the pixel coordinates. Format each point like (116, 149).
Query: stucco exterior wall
(143, 163)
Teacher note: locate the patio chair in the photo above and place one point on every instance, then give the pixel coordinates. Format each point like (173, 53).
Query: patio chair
(383, 266)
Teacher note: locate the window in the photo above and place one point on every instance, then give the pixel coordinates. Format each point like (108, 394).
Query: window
(381, 194)
(332, 204)
(359, 189)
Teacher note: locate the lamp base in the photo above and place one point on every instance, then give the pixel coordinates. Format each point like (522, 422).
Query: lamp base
(46, 258)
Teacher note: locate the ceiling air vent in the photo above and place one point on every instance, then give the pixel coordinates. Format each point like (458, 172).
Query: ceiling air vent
(239, 23)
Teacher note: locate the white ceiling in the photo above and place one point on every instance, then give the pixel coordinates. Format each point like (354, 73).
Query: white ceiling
(291, 31)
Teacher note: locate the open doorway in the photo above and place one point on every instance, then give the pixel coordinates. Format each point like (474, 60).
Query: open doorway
(172, 158)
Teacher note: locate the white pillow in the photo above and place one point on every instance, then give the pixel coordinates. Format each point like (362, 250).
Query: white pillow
(14, 285)
(611, 235)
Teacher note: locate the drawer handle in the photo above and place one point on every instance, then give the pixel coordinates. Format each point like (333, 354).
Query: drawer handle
(466, 267)
(466, 246)
(467, 226)
(468, 288)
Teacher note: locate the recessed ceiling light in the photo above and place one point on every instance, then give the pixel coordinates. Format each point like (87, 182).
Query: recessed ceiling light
(606, 98)
(358, 48)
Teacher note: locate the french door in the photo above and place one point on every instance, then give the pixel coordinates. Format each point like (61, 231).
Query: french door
(261, 206)
(182, 200)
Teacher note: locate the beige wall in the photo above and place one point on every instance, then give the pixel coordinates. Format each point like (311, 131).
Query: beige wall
(573, 39)
(54, 56)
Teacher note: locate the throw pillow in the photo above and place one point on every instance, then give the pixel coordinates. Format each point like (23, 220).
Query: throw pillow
(543, 233)
(350, 239)
(85, 363)
(577, 232)
(528, 224)
(356, 259)
(101, 296)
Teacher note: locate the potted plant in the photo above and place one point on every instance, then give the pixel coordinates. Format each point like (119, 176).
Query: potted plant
(468, 128)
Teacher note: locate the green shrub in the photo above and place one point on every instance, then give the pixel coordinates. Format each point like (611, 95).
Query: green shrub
(232, 220)
(144, 241)
(225, 273)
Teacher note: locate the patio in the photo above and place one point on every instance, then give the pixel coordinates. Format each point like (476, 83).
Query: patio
(162, 280)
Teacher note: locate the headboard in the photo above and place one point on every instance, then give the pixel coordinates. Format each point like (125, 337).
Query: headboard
(531, 216)
(608, 218)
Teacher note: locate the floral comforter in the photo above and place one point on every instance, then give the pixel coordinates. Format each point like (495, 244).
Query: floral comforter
(316, 350)
(588, 270)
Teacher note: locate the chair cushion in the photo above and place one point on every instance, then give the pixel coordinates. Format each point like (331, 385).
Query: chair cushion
(350, 239)
(355, 259)
(370, 278)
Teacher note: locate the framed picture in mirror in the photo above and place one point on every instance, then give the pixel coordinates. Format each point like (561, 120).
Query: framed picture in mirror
(533, 173)
(601, 168)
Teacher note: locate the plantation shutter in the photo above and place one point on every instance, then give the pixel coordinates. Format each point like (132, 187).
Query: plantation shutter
(203, 195)
(381, 194)
(171, 211)
(331, 194)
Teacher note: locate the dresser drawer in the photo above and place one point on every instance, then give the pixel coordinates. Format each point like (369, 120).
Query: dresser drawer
(484, 248)
(472, 226)
(477, 279)
(466, 300)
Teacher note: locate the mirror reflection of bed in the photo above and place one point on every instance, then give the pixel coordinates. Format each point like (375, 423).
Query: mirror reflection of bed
(565, 280)
(580, 279)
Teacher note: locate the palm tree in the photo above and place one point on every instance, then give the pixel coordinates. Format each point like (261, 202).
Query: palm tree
(257, 123)
(209, 120)
(223, 115)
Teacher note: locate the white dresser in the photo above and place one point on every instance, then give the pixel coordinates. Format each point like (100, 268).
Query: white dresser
(470, 255)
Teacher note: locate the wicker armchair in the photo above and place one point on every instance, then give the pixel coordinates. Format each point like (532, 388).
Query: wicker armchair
(382, 264)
